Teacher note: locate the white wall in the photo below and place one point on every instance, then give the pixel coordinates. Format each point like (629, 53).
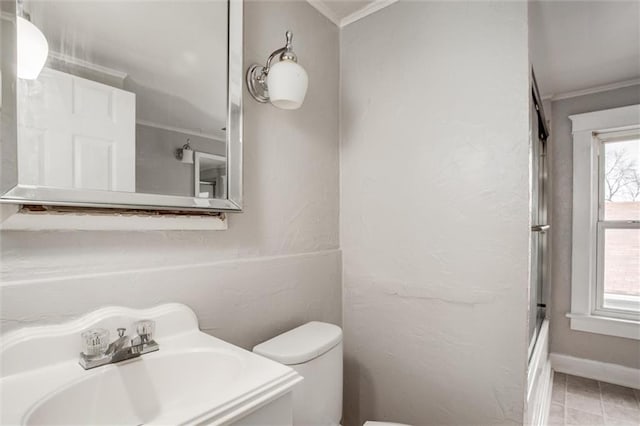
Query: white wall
(276, 267)
(435, 213)
(616, 350)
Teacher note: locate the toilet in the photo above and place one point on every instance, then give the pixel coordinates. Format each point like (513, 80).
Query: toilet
(314, 350)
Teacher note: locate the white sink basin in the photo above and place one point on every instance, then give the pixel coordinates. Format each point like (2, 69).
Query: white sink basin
(193, 378)
(141, 390)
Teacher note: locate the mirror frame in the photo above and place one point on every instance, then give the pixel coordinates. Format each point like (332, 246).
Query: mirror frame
(12, 192)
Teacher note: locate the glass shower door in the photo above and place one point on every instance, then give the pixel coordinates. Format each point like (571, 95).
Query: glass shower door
(539, 223)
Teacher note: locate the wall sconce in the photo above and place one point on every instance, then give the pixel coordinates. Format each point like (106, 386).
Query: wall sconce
(284, 83)
(185, 154)
(33, 48)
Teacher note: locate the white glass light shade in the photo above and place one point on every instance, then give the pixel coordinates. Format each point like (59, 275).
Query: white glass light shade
(33, 50)
(287, 82)
(187, 156)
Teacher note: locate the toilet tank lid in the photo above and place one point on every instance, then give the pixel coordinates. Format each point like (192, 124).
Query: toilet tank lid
(301, 344)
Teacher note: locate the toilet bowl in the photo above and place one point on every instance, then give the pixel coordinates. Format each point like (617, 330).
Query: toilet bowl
(314, 350)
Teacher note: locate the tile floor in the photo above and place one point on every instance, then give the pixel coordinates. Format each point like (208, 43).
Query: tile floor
(585, 402)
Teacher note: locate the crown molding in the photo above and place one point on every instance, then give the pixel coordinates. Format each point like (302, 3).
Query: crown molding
(110, 72)
(323, 7)
(372, 7)
(597, 89)
(219, 136)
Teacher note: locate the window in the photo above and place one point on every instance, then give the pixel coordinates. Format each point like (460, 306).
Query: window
(618, 226)
(605, 287)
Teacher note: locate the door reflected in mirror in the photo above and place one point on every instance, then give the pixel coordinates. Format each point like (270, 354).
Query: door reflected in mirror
(210, 175)
(125, 85)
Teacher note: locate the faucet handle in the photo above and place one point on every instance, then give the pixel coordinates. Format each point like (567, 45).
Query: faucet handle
(146, 329)
(121, 331)
(95, 342)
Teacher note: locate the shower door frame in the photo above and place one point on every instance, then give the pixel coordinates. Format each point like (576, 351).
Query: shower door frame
(541, 228)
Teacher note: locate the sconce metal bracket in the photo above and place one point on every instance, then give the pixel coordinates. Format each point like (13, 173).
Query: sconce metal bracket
(257, 84)
(179, 154)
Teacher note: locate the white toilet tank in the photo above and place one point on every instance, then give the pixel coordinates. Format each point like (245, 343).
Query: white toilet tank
(314, 350)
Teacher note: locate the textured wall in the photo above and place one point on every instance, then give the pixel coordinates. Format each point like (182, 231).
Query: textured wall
(580, 344)
(435, 213)
(277, 266)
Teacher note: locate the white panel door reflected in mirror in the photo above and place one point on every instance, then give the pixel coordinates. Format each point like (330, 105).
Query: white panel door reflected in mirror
(76, 133)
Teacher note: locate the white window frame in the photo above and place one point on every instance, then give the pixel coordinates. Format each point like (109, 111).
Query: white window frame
(626, 305)
(586, 314)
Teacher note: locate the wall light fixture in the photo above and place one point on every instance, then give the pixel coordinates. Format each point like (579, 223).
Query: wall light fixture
(283, 83)
(185, 154)
(33, 48)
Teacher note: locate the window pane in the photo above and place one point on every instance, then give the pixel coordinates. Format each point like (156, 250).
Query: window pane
(622, 269)
(621, 180)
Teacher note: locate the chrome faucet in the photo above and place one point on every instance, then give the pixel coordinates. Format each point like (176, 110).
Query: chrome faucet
(97, 351)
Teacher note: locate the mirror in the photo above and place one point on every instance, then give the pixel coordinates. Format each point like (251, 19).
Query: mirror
(138, 104)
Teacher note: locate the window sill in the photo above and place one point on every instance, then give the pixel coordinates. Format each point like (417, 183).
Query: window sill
(629, 329)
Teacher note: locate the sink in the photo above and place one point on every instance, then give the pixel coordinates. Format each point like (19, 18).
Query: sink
(141, 390)
(193, 379)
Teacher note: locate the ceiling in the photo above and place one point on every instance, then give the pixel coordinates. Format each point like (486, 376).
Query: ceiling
(579, 45)
(575, 45)
(174, 57)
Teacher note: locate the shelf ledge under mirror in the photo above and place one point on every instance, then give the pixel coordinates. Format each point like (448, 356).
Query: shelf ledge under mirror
(37, 218)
